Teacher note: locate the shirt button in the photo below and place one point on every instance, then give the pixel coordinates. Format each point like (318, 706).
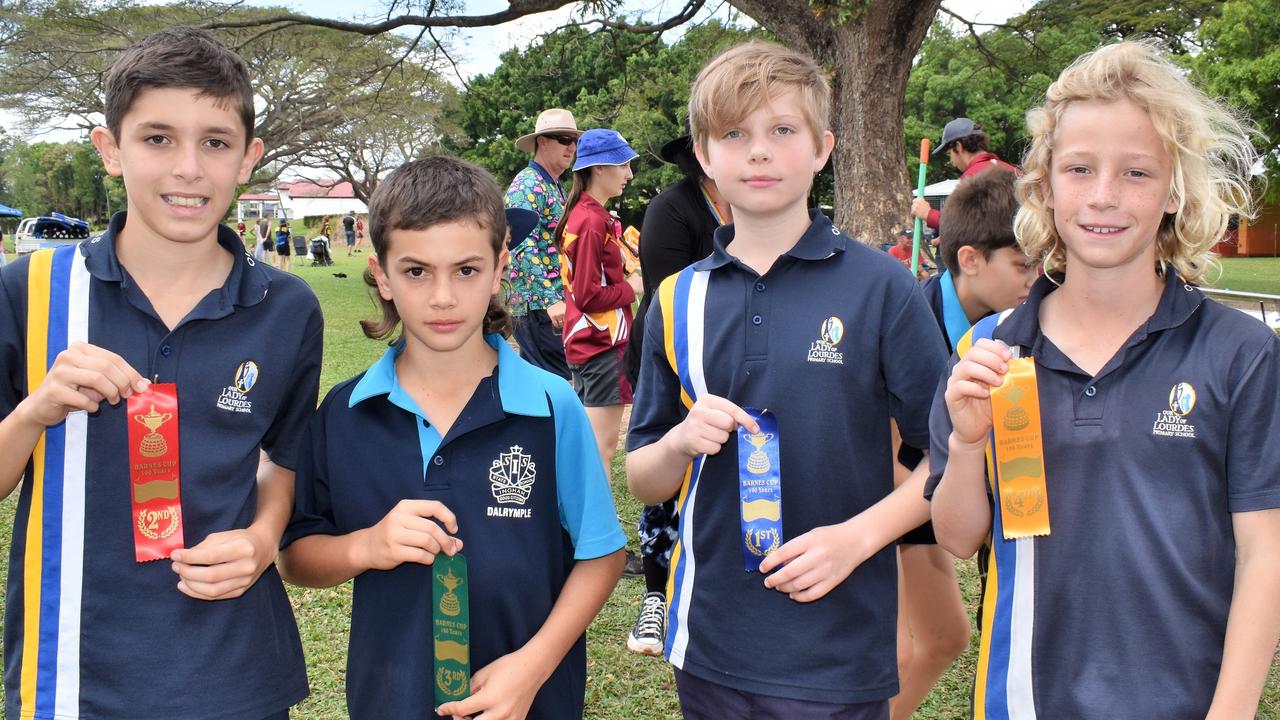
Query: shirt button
(759, 287)
(1091, 391)
(756, 320)
(165, 350)
(438, 461)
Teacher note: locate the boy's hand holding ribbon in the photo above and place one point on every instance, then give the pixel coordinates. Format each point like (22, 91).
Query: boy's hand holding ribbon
(411, 532)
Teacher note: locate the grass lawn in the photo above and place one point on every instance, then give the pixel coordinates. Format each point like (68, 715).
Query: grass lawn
(620, 685)
(1259, 275)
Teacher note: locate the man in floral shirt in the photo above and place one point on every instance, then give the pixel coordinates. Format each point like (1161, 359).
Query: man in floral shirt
(536, 295)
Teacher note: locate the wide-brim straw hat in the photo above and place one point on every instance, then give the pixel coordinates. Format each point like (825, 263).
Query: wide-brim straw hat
(556, 121)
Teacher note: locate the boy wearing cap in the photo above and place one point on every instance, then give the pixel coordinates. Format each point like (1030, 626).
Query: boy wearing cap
(965, 144)
(599, 291)
(801, 343)
(535, 294)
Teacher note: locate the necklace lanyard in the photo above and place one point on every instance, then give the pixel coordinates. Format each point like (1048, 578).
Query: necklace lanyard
(711, 206)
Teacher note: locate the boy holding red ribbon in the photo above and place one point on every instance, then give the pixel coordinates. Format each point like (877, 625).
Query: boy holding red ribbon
(1133, 508)
(802, 342)
(152, 384)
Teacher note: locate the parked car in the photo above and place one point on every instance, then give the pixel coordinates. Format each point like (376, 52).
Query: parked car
(48, 231)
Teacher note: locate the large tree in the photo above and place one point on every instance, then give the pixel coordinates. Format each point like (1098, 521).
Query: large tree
(312, 84)
(867, 45)
(1241, 62)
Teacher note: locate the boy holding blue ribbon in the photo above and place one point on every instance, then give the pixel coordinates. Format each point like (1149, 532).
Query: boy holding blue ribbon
(803, 343)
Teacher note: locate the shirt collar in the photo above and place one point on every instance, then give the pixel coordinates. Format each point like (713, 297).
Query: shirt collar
(544, 173)
(247, 283)
(1178, 302)
(819, 242)
(519, 386)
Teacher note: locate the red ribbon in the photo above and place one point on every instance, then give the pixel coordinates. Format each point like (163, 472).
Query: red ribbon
(154, 472)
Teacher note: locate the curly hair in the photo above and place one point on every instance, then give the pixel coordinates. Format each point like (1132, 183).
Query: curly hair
(1208, 144)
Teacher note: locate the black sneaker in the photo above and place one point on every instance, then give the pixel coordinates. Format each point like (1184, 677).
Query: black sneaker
(634, 566)
(650, 630)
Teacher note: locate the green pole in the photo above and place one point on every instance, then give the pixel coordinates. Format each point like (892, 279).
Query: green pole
(915, 242)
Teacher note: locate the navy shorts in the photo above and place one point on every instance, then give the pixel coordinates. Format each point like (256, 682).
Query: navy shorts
(351, 237)
(704, 700)
(540, 342)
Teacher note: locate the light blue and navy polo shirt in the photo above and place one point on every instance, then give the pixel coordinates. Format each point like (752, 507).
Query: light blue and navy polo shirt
(834, 339)
(89, 632)
(520, 470)
(1122, 610)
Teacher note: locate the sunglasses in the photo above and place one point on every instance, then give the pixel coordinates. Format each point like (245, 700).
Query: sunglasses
(563, 139)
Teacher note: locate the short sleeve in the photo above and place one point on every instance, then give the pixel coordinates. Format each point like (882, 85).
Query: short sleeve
(281, 439)
(312, 498)
(12, 336)
(1253, 454)
(657, 407)
(939, 432)
(913, 356)
(586, 505)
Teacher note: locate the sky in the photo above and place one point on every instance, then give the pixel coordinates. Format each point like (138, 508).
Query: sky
(478, 48)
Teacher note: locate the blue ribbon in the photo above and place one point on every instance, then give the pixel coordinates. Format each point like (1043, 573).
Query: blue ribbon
(759, 489)
(952, 311)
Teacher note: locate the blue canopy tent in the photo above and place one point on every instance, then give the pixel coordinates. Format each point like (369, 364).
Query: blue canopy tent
(6, 211)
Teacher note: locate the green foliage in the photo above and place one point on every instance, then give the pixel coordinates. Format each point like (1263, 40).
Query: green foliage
(994, 85)
(1241, 63)
(635, 84)
(66, 177)
(1174, 24)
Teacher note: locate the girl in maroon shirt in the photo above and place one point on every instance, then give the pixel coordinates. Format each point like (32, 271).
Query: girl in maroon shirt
(598, 290)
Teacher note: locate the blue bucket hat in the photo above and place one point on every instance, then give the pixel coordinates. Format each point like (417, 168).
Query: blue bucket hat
(602, 146)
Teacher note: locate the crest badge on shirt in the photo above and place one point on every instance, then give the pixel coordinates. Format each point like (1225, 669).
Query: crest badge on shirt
(823, 350)
(511, 478)
(234, 397)
(1173, 422)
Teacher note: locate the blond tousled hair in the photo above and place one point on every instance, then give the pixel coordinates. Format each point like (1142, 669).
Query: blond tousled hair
(745, 77)
(1209, 147)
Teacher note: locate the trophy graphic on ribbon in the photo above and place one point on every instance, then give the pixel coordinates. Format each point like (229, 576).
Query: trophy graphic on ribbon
(449, 604)
(758, 462)
(153, 444)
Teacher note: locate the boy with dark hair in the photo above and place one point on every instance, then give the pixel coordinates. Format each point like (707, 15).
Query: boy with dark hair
(152, 384)
(791, 315)
(986, 270)
(478, 452)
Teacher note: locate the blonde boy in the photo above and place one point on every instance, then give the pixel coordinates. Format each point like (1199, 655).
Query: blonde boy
(1152, 595)
(791, 315)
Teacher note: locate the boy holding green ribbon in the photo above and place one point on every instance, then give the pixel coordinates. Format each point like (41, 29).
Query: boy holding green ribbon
(804, 343)
(466, 451)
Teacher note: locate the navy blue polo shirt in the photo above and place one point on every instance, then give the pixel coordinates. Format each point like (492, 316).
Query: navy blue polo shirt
(1145, 463)
(520, 470)
(835, 339)
(116, 638)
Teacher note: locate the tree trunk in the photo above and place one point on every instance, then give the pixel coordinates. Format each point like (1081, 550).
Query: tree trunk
(869, 57)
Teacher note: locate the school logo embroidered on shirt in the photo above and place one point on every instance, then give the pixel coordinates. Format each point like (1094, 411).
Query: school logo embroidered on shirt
(1173, 422)
(511, 479)
(823, 350)
(233, 397)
